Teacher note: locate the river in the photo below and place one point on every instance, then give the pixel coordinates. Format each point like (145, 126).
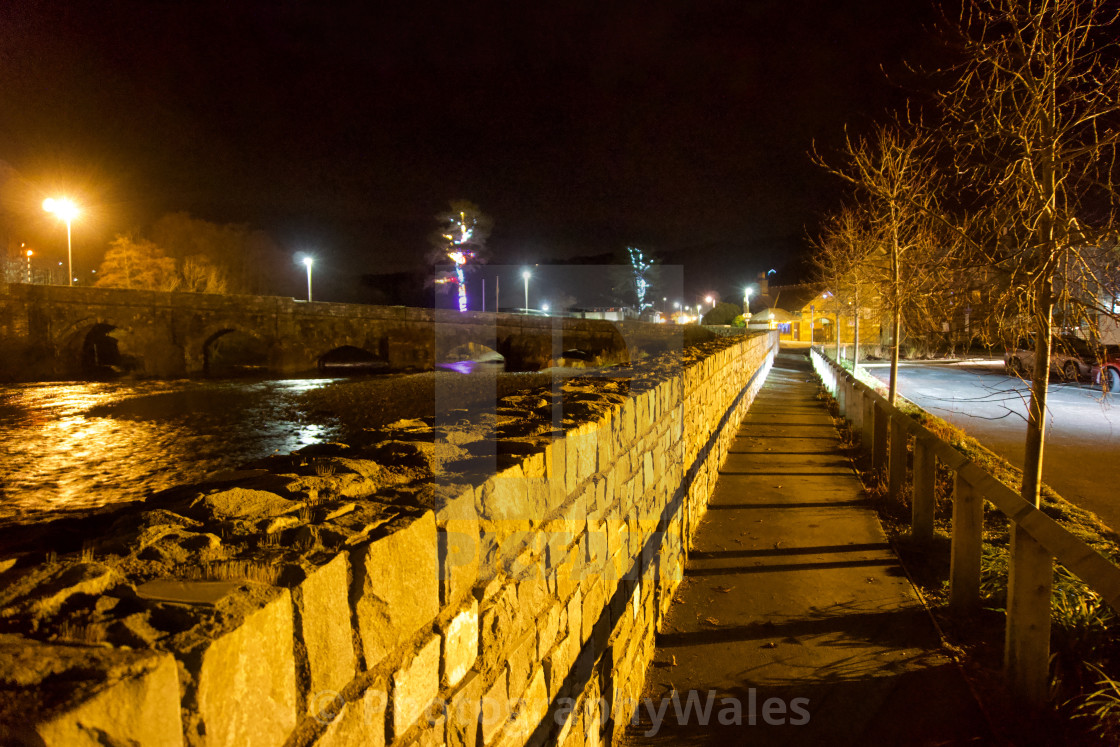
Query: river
(80, 446)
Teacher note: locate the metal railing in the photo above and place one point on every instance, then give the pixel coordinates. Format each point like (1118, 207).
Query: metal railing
(1037, 540)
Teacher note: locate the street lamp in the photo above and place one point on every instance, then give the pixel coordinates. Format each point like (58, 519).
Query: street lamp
(308, 261)
(747, 299)
(525, 276)
(544, 307)
(29, 253)
(67, 211)
(709, 300)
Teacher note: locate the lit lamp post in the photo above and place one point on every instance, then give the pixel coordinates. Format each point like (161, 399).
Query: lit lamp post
(308, 261)
(525, 276)
(29, 253)
(67, 211)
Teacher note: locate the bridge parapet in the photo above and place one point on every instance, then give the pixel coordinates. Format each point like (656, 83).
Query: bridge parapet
(62, 332)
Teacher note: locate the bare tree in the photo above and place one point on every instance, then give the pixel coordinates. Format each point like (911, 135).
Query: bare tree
(893, 179)
(846, 258)
(1031, 118)
(1030, 115)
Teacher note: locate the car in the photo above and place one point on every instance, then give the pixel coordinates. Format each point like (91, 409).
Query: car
(1107, 374)
(1071, 358)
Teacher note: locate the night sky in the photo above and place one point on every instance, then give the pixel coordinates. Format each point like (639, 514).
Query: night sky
(342, 128)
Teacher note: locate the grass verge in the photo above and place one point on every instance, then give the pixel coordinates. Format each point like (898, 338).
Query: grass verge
(1084, 707)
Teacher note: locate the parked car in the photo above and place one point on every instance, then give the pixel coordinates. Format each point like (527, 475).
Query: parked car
(1107, 374)
(1071, 358)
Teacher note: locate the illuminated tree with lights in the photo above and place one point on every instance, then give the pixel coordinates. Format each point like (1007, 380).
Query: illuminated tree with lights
(461, 238)
(634, 281)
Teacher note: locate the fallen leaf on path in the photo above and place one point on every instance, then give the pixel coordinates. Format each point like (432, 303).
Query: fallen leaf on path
(771, 644)
(723, 589)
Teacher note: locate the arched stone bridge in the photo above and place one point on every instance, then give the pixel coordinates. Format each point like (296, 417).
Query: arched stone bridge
(62, 332)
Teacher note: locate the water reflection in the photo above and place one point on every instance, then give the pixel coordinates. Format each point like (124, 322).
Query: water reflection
(80, 446)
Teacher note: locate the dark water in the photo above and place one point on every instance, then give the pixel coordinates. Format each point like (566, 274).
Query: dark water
(73, 447)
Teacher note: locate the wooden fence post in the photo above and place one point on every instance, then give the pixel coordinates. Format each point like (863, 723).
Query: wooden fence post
(924, 501)
(1026, 651)
(867, 415)
(964, 566)
(898, 455)
(882, 431)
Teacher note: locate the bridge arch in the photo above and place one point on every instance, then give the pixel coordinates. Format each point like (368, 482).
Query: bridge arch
(351, 359)
(96, 348)
(230, 351)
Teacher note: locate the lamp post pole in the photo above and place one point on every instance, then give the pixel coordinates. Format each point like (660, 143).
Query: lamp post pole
(525, 276)
(69, 253)
(67, 211)
(308, 261)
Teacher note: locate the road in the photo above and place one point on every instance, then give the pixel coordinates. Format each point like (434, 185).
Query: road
(1082, 452)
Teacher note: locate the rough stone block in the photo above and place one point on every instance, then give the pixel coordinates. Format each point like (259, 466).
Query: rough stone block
(527, 711)
(598, 550)
(548, 629)
(587, 443)
(567, 578)
(628, 421)
(575, 616)
(520, 660)
(593, 604)
(247, 680)
(396, 587)
(556, 665)
(135, 702)
(605, 441)
(459, 545)
(322, 601)
(495, 709)
(463, 712)
(361, 722)
(496, 617)
(533, 466)
(460, 645)
(503, 502)
(415, 685)
(556, 468)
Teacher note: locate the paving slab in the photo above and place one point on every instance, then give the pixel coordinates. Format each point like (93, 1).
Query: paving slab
(795, 623)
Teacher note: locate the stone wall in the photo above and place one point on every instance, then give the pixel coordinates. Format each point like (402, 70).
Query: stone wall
(498, 591)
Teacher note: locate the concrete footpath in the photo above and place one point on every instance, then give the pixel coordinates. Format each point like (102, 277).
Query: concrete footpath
(794, 609)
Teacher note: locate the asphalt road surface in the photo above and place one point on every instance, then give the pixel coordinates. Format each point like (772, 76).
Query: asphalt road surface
(1082, 452)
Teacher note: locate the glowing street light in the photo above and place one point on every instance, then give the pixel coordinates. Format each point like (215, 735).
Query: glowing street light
(544, 307)
(709, 300)
(67, 211)
(29, 253)
(308, 261)
(525, 276)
